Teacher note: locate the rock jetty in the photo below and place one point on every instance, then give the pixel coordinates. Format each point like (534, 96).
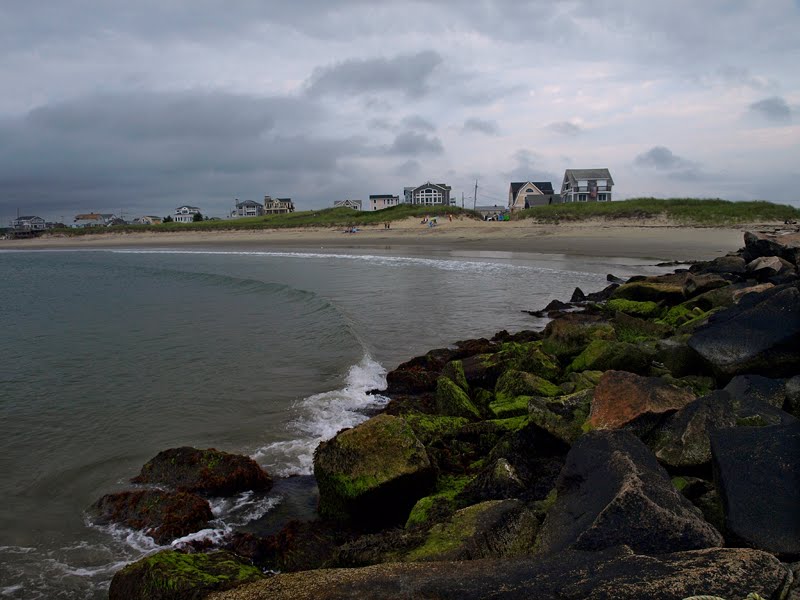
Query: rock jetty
(645, 444)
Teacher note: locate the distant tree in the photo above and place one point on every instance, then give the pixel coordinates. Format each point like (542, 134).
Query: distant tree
(167, 219)
(197, 217)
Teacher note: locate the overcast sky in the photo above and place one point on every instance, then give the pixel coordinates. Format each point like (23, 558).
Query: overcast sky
(141, 106)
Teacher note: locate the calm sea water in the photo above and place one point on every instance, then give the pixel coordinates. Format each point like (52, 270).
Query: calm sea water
(107, 357)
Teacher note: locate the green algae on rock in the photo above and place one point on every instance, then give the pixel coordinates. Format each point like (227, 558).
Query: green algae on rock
(171, 575)
(373, 474)
(452, 400)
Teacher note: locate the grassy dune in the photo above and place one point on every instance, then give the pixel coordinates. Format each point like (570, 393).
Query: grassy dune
(685, 211)
(328, 217)
(689, 211)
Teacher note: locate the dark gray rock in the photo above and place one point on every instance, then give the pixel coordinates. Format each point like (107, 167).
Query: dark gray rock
(746, 388)
(792, 391)
(757, 472)
(760, 335)
(682, 441)
(724, 264)
(612, 574)
(612, 491)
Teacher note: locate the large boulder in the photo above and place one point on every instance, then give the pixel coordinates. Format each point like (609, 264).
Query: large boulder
(616, 573)
(760, 335)
(724, 265)
(524, 464)
(682, 441)
(612, 491)
(209, 472)
(670, 292)
(170, 575)
(372, 474)
(453, 401)
(164, 516)
(496, 528)
(514, 389)
(564, 417)
(602, 355)
(748, 388)
(621, 397)
(757, 471)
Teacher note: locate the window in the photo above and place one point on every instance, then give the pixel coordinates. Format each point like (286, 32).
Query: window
(581, 197)
(528, 190)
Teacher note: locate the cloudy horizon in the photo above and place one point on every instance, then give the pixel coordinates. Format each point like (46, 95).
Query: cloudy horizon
(137, 108)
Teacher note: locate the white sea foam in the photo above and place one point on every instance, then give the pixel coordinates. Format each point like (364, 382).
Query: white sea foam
(321, 416)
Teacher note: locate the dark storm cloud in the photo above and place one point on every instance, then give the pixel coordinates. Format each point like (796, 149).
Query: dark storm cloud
(773, 109)
(481, 126)
(135, 149)
(660, 157)
(408, 73)
(168, 116)
(413, 143)
(565, 128)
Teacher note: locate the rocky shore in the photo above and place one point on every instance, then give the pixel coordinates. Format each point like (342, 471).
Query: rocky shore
(645, 444)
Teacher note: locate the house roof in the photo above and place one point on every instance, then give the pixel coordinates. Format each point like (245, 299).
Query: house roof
(441, 186)
(544, 186)
(248, 203)
(187, 206)
(376, 196)
(30, 218)
(576, 174)
(88, 217)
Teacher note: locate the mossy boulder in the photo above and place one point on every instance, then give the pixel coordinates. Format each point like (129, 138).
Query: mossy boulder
(373, 474)
(601, 355)
(515, 388)
(568, 335)
(526, 356)
(162, 515)
(629, 328)
(581, 380)
(440, 504)
(496, 528)
(452, 400)
(211, 472)
(564, 417)
(454, 370)
(170, 575)
(429, 428)
(646, 310)
(650, 291)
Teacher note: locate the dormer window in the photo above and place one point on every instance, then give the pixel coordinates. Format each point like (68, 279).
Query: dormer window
(528, 190)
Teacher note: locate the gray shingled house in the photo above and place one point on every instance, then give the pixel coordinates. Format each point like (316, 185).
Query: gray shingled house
(586, 185)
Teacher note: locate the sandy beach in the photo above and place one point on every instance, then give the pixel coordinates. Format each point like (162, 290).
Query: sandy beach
(658, 240)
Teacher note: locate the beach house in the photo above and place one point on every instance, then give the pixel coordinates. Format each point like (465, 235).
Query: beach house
(354, 204)
(277, 206)
(29, 223)
(524, 194)
(381, 201)
(248, 208)
(586, 185)
(185, 214)
(431, 194)
(148, 220)
(92, 220)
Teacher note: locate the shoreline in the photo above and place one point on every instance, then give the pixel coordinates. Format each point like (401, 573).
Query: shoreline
(656, 240)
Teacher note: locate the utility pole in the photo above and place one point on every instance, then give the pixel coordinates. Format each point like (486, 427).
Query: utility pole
(475, 197)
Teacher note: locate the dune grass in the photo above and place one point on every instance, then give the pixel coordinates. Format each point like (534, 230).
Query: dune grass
(689, 211)
(328, 217)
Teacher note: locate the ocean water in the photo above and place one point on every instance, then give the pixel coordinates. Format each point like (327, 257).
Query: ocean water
(109, 356)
